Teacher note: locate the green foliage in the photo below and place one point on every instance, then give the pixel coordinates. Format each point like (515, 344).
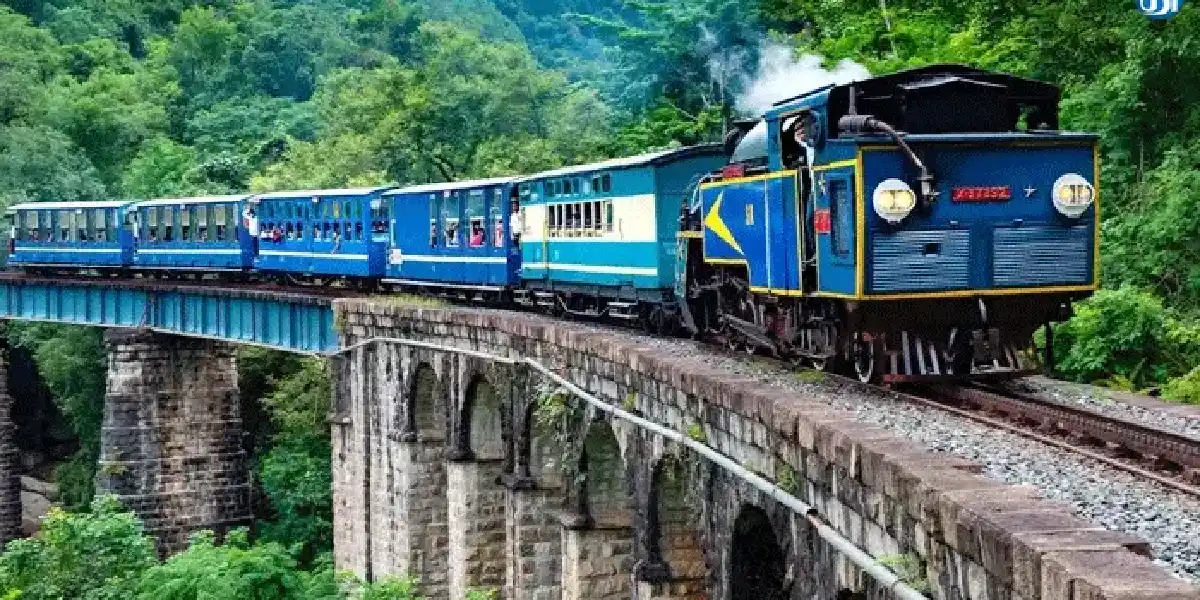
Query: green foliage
(73, 363)
(95, 556)
(1128, 335)
(695, 431)
(233, 570)
(104, 555)
(787, 479)
(910, 570)
(296, 475)
(40, 164)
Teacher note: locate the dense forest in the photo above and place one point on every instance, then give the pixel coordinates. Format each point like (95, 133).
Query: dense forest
(141, 98)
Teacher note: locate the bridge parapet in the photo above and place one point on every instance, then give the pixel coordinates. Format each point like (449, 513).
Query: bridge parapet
(598, 508)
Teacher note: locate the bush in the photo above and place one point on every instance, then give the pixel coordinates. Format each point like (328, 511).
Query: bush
(99, 555)
(1126, 338)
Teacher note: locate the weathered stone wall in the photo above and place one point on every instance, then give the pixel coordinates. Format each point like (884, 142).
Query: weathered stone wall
(10, 476)
(171, 442)
(622, 528)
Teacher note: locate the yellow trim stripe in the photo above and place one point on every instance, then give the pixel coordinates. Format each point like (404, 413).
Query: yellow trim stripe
(841, 164)
(693, 235)
(860, 214)
(775, 291)
(763, 177)
(988, 292)
(738, 262)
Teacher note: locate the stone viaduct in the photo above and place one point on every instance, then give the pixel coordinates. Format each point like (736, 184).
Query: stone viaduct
(474, 473)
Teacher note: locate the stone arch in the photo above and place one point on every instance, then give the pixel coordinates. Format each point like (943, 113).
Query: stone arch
(674, 523)
(758, 562)
(428, 405)
(483, 420)
(606, 496)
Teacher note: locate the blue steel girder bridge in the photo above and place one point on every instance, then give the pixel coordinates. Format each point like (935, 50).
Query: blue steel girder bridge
(247, 314)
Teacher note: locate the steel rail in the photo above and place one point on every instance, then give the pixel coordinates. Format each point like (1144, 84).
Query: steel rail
(1023, 432)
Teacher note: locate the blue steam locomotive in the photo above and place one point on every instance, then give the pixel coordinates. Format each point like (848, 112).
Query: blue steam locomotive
(917, 225)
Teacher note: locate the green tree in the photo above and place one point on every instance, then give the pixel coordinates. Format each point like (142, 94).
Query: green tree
(100, 555)
(40, 164)
(31, 59)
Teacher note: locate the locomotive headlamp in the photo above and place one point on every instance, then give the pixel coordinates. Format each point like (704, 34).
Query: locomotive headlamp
(894, 200)
(1073, 195)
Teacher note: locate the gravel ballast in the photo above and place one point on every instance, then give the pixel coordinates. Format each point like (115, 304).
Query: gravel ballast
(1179, 418)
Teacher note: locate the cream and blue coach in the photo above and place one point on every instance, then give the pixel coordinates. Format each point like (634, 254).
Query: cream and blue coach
(599, 239)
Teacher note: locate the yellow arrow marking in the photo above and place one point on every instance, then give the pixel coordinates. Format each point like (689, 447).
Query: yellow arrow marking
(713, 221)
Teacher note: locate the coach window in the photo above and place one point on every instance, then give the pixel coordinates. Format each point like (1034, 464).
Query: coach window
(379, 216)
(552, 219)
(66, 226)
(81, 224)
(202, 220)
(606, 183)
(30, 222)
(218, 219)
(149, 224)
(475, 214)
(97, 229)
(185, 224)
(587, 217)
(451, 209)
(434, 210)
(498, 218)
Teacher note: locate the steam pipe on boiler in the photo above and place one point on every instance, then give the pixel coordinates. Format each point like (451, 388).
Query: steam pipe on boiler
(862, 123)
(864, 561)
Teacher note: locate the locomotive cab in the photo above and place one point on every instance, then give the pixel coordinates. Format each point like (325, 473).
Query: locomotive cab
(920, 224)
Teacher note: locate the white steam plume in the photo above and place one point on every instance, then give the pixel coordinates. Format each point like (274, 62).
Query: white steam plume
(782, 75)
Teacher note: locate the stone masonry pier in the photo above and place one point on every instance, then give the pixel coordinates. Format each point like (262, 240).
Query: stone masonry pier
(473, 474)
(171, 443)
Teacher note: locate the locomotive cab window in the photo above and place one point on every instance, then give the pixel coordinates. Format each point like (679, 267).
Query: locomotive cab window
(841, 214)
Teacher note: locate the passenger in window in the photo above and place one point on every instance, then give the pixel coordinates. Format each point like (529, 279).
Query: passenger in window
(516, 222)
(476, 234)
(432, 235)
(452, 234)
(358, 231)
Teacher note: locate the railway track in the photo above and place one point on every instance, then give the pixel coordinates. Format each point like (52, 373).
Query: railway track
(1167, 457)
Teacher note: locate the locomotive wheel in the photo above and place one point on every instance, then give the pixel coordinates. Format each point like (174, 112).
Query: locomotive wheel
(864, 361)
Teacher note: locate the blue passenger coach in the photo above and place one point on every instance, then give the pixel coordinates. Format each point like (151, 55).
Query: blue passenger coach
(330, 233)
(453, 235)
(75, 234)
(202, 233)
(607, 230)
